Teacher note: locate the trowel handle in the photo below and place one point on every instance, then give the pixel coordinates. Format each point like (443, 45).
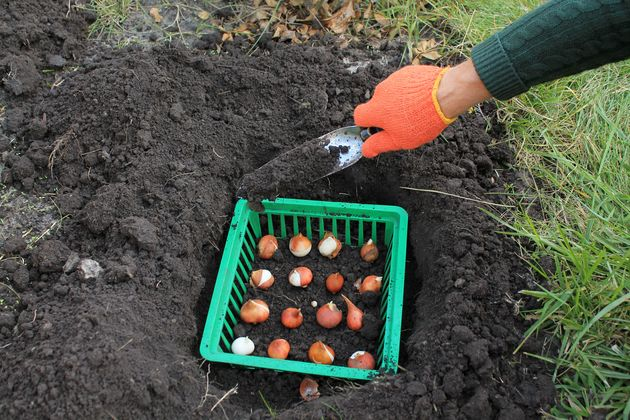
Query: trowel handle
(369, 131)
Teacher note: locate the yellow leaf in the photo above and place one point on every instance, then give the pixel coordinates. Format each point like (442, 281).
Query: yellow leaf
(381, 19)
(155, 14)
(203, 15)
(271, 3)
(339, 21)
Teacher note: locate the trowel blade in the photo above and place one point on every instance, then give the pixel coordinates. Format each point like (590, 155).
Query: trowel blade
(346, 145)
(310, 161)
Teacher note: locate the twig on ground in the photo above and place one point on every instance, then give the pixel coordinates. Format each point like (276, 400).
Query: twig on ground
(11, 289)
(125, 345)
(218, 155)
(207, 394)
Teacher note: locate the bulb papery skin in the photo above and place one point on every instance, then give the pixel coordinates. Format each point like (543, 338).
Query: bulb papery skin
(334, 282)
(267, 246)
(254, 311)
(262, 279)
(243, 346)
(354, 319)
(329, 316)
(300, 277)
(369, 251)
(321, 354)
(361, 360)
(309, 389)
(300, 245)
(279, 349)
(291, 318)
(329, 246)
(371, 283)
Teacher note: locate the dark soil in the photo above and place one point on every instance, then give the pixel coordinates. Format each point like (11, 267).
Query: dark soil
(283, 295)
(143, 151)
(297, 167)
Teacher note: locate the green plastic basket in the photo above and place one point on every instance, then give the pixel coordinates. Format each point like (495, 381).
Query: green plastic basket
(355, 223)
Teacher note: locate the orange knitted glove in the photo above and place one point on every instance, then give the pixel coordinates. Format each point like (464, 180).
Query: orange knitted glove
(405, 106)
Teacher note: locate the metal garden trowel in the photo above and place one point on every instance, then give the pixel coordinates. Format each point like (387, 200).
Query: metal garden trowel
(308, 162)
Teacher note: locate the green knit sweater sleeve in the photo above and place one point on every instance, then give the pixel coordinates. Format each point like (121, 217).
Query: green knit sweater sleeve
(559, 38)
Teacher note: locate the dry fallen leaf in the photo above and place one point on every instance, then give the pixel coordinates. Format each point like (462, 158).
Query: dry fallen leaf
(289, 36)
(427, 48)
(155, 14)
(227, 37)
(203, 15)
(368, 11)
(279, 31)
(381, 19)
(339, 21)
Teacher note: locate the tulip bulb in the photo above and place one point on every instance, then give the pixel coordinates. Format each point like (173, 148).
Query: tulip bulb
(309, 389)
(329, 246)
(262, 279)
(321, 354)
(291, 318)
(267, 246)
(279, 349)
(254, 311)
(361, 360)
(354, 319)
(243, 346)
(369, 251)
(334, 282)
(371, 284)
(300, 277)
(329, 316)
(300, 245)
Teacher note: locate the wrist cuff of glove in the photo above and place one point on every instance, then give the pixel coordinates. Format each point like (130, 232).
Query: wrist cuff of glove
(436, 104)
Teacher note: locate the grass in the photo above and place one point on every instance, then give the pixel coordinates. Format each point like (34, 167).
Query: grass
(572, 135)
(110, 16)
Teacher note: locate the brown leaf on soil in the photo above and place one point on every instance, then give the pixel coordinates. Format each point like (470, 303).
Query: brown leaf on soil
(261, 14)
(427, 48)
(296, 3)
(271, 3)
(289, 36)
(242, 28)
(203, 15)
(339, 21)
(155, 14)
(368, 11)
(381, 19)
(227, 37)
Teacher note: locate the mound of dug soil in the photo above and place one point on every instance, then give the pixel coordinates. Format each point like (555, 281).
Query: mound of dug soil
(143, 151)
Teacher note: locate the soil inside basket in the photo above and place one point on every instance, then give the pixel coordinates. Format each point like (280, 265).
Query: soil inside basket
(282, 295)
